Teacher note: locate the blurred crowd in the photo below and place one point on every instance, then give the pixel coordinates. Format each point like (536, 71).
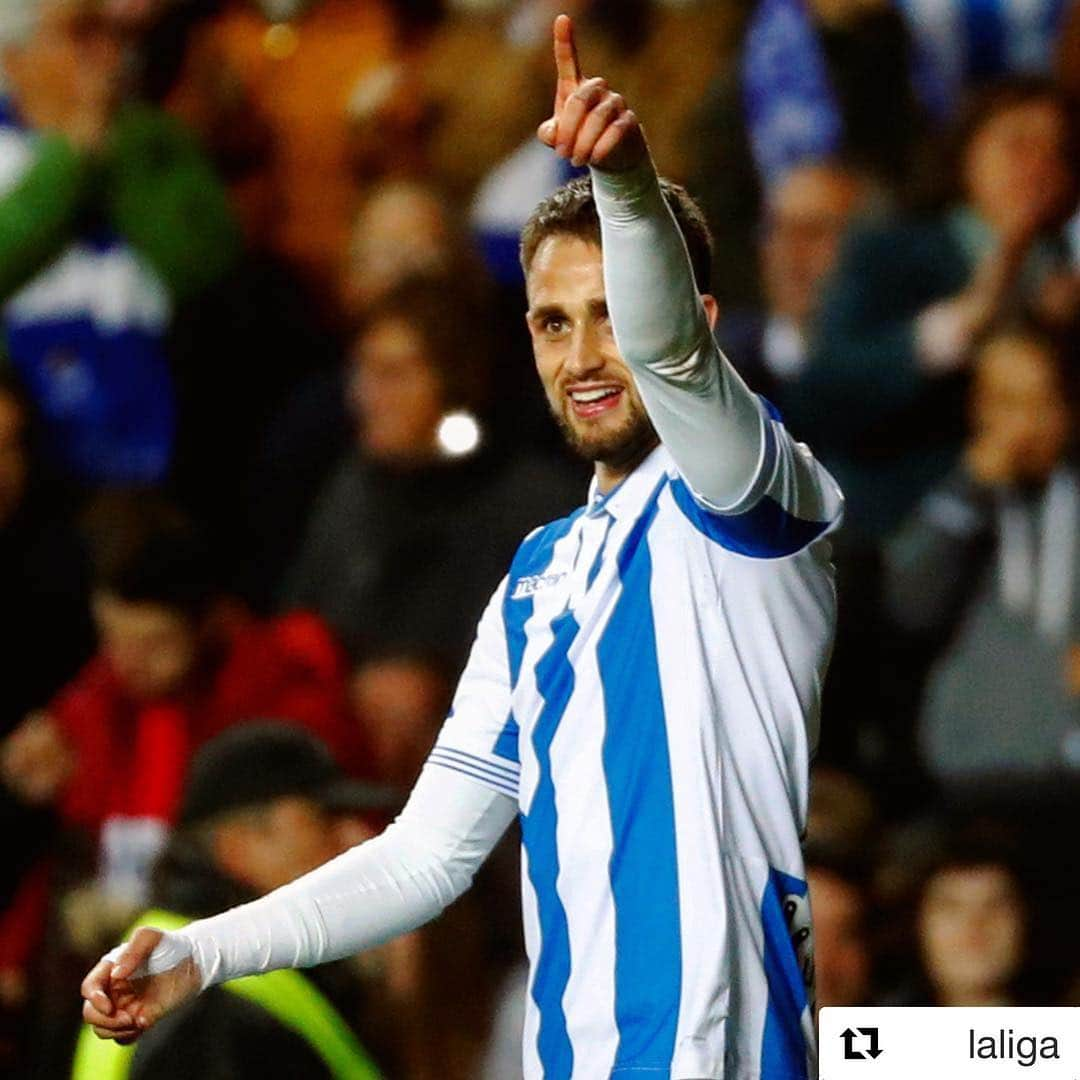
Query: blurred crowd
(269, 435)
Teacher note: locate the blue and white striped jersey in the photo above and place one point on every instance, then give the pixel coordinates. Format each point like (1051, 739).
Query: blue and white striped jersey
(645, 682)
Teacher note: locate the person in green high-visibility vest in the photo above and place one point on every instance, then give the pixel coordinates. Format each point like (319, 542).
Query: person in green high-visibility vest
(257, 812)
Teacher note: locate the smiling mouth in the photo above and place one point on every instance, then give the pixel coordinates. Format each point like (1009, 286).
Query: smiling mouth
(588, 402)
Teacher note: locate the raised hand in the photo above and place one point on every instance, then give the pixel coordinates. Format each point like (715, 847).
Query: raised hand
(121, 1001)
(36, 760)
(590, 124)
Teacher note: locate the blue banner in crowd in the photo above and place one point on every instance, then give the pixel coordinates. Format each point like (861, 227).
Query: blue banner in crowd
(959, 43)
(791, 110)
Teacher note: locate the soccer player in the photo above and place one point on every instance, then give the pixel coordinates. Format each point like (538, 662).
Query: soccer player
(643, 688)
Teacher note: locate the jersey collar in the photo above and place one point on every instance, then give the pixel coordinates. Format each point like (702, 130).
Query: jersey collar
(629, 495)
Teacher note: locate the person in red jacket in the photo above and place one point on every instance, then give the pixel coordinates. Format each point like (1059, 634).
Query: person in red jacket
(178, 662)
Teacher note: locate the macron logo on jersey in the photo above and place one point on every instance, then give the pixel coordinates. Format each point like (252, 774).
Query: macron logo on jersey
(534, 583)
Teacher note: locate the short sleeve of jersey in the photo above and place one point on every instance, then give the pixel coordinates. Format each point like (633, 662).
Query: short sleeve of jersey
(479, 737)
(792, 502)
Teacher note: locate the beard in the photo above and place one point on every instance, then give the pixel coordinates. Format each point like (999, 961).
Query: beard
(620, 448)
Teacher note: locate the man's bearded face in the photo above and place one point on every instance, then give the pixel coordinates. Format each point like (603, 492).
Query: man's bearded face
(589, 388)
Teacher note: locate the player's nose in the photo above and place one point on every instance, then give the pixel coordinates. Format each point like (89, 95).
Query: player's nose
(585, 356)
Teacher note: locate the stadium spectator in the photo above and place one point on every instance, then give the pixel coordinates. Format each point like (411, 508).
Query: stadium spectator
(400, 699)
(971, 926)
(989, 565)
(389, 557)
(44, 624)
(884, 387)
(267, 87)
(843, 823)
(843, 962)
(177, 664)
(404, 229)
(806, 215)
(45, 615)
(258, 810)
(109, 217)
(843, 815)
(245, 354)
(882, 391)
(812, 80)
(391, 119)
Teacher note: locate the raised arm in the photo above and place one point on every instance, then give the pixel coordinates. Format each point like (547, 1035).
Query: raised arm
(714, 427)
(460, 807)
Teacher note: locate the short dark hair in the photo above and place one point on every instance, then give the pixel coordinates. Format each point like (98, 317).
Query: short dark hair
(437, 308)
(145, 550)
(968, 845)
(571, 211)
(992, 98)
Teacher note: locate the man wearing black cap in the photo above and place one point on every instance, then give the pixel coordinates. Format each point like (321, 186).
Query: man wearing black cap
(258, 811)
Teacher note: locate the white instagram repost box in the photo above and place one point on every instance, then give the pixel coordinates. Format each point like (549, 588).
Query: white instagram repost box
(949, 1044)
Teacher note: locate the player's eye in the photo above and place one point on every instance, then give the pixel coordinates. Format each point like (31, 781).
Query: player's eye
(555, 325)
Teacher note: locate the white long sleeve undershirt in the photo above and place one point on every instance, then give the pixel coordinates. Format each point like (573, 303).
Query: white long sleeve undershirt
(373, 892)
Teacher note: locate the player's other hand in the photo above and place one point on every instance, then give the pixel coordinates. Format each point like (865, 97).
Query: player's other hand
(121, 999)
(590, 124)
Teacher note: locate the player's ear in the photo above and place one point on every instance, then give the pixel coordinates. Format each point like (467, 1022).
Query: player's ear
(712, 309)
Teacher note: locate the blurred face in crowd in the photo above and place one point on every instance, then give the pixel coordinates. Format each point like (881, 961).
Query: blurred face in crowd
(1020, 403)
(396, 392)
(841, 956)
(271, 845)
(1016, 166)
(62, 36)
(805, 221)
(152, 648)
(400, 701)
(401, 232)
(971, 933)
(589, 388)
(13, 456)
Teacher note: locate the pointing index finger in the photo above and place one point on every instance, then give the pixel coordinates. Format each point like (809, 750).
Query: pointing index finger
(567, 69)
